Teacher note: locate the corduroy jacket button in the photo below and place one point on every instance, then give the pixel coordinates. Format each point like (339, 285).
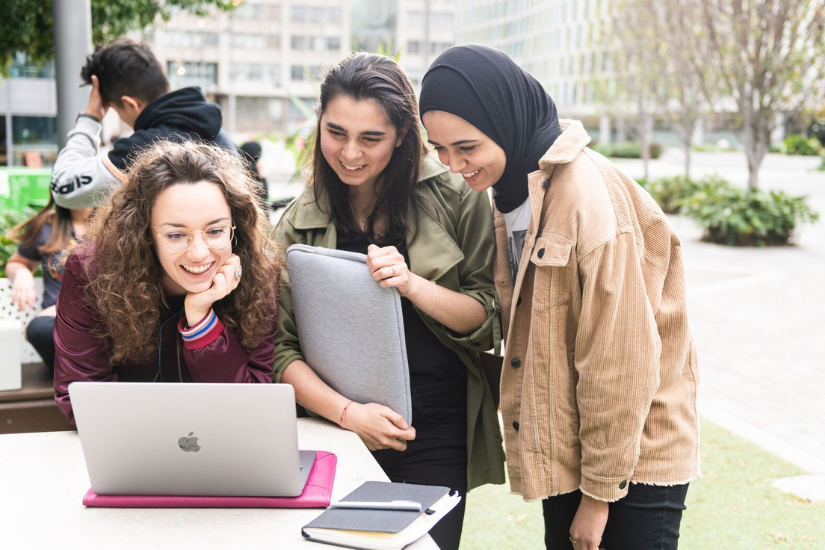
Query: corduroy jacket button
(547, 184)
(541, 253)
(515, 363)
(518, 303)
(623, 484)
(515, 425)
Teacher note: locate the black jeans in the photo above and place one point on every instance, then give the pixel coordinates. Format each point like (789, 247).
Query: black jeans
(437, 455)
(40, 334)
(648, 518)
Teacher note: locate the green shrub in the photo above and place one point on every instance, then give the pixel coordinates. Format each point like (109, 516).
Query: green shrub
(9, 219)
(668, 192)
(738, 217)
(822, 166)
(798, 145)
(627, 150)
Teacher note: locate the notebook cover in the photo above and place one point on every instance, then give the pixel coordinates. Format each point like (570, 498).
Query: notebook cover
(379, 521)
(340, 313)
(317, 494)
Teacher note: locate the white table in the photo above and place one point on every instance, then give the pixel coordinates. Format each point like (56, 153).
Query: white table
(43, 479)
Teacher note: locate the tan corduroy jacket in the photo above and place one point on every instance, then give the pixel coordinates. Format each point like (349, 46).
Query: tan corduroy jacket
(598, 388)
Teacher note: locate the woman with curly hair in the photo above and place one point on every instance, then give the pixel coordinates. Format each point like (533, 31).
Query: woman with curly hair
(176, 282)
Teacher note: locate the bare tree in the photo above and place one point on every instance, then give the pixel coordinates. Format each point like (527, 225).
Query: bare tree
(769, 56)
(634, 63)
(680, 92)
(657, 39)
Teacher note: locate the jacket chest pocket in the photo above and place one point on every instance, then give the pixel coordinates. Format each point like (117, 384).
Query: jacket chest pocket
(554, 272)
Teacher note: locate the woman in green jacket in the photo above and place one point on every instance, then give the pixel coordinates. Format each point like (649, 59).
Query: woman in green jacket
(373, 189)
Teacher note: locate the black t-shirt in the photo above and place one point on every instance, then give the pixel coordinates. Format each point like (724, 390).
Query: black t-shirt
(52, 264)
(430, 361)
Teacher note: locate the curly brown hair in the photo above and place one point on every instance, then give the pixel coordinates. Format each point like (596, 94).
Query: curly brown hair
(124, 273)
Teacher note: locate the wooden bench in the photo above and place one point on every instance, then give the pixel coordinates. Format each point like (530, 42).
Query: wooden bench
(32, 408)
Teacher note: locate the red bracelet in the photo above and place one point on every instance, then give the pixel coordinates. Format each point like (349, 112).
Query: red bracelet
(343, 414)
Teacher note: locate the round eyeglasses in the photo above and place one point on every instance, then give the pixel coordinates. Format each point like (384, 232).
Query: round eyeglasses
(179, 240)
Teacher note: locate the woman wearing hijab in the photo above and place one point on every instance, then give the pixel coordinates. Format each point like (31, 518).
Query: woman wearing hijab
(598, 389)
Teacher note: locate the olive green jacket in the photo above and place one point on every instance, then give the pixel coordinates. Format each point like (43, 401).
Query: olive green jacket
(455, 247)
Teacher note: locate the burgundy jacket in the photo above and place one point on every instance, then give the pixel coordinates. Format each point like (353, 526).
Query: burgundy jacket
(209, 351)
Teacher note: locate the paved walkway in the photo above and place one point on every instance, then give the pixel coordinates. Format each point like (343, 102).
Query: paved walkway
(759, 316)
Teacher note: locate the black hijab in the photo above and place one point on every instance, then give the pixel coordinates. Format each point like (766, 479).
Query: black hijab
(487, 89)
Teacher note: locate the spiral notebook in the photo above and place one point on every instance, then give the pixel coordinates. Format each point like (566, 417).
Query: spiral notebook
(382, 529)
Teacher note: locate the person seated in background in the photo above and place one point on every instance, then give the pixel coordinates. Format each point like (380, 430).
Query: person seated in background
(251, 154)
(177, 280)
(43, 240)
(127, 77)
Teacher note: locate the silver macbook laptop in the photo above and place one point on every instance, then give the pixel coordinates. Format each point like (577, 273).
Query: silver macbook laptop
(190, 439)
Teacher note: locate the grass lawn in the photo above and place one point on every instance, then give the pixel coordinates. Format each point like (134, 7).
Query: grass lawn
(733, 506)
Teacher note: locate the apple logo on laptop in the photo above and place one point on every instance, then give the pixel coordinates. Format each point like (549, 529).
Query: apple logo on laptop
(189, 443)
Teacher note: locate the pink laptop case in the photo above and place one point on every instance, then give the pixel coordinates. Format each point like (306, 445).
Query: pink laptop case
(317, 494)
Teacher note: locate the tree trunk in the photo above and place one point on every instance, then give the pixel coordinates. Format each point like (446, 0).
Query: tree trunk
(688, 128)
(755, 148)
(751, 137)
(753, 174)
(644, 141)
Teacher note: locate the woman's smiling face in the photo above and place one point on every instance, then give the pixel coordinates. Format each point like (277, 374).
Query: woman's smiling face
(465, 149)
(194, 207)
(357, 140)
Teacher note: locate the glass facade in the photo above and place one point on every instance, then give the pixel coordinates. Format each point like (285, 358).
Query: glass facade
(560, 42)
(192, 73)
(315, 43)
(251, 41)
(260, 107)
(34, 140)
(22, 67)
(373, 24)
(300, 73)
(259, 12)
(314, 14)
(190, 39)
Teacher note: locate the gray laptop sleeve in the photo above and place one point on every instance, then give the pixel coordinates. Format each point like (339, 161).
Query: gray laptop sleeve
(351, 330)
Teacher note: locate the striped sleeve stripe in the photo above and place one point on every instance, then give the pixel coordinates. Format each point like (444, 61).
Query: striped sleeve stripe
(116, 172)
(201, 328)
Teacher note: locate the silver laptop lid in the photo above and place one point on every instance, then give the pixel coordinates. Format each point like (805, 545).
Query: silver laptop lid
(189, 439)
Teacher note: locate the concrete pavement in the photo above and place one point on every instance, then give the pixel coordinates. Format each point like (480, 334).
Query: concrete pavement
(758, 315)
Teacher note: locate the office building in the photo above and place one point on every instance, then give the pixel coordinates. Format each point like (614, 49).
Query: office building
(560, 42)
(260, 63)
(28, 106)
